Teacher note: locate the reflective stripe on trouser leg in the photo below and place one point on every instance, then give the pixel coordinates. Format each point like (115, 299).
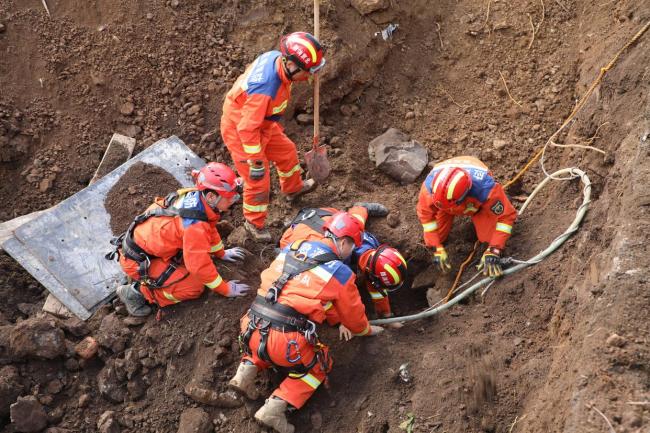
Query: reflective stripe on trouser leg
(298, 389)
(256, 195)
(282, 151)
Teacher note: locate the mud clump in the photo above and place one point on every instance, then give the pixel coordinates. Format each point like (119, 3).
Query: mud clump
(136, 190)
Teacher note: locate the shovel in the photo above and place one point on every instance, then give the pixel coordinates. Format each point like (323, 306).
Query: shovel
(316, 159)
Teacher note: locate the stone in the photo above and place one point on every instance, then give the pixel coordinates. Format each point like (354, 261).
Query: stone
(136, 388)
(149, 16)
(45, 185)
(239, 236)
(10, 388)
(28, 415)
(392, 219)
(398, 156)
(175, 3)
(426, 278)
(112, 333)
(84, 400)
(305, 119)
(87, 348)
(616, 340)
(195, 420)
(335, 141)
(227, 399)
(499, 144)
(127, 108)
(75, 327)
(54, 386)
(109, 385)
(2, 28)
(194, 109)
(365, 7)
(107, 423)
(37, 337)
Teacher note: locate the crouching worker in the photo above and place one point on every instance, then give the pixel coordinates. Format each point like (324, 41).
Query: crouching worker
(306, 283)
(382, 267)
(169, 249)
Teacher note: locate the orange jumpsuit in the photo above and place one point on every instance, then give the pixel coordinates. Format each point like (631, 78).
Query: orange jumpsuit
(250, 130)
(163, 237)
(359, 259)
(319, 293)
(486, 203)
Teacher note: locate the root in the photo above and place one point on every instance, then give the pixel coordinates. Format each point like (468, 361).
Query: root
(508, 90)
(611, 428)
(532, 26)
(451, 98)
(442, 46)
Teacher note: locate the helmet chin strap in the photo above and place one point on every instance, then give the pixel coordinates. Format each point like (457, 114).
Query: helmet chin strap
(216, 203)
(287, 72)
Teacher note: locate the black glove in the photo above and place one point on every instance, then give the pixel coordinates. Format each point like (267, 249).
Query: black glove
(374, 209)
(256, 169)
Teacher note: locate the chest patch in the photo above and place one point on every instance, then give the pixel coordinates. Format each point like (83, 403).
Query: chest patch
(497, 208)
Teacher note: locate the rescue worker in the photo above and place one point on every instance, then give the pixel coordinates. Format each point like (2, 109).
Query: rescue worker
(250, 129)
(306, 283)
(169, 249)
(465, 186)
(382, 267)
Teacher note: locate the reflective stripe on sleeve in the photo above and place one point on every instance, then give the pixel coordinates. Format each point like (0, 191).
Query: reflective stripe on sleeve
(170, 297)
(359, 217)
(328, 305)
(364, 332)
(255, 208)
(430, 227)
(289, 173)
(505, 228)
(215, 248)
(215, 283)
(252, 148)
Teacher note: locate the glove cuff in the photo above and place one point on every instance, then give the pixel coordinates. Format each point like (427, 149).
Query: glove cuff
(494, 250)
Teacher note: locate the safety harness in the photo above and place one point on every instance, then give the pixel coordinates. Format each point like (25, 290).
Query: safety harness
(266, 314)
(312, 218)
(125, 244)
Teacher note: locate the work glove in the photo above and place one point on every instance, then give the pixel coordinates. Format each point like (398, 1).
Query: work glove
(491, 262)
(374, 209)
(233, 255)
(236, 289)
(441, 259)
(256, 169)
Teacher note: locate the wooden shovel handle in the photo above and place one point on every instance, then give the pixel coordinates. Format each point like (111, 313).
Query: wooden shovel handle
(316, 77)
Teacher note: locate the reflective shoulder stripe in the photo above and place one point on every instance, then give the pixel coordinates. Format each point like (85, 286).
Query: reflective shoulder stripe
(280, 107)
(505, 228)
(328, 305)
(290, 172)
(309, 379)
(215, 283)
(430, 227)
(375, 296)
(321, 273)
(252, 148)
(254, 208)
(364, 332)
(170, 297)
(215, 248)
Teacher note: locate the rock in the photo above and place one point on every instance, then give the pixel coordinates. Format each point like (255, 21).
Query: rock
(87, 348)
(28, 309)
(616, 340)
(37, 337)
(136, 388)
(392, 219)
(346, 110)
(84, 400)
(135, 321)
(127, 108)
(199, 394)
(45, 185)
(397, 155)
(107, 423)
(54, 386)
(239, 236)
(195, 420)
(409, 115)
(305, 119)
(175, 3)
(130, 130)
(28, 415)
(71, 364)
(2, 28)
(109, 385)
(335, 141)
(194, 109)
(149, 16)
(112, 333)
(499, 144)
(10, 388)
(365, 7)
(75, 327)
(426, 278)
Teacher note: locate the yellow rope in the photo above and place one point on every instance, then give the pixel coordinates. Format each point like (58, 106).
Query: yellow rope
(581, 103)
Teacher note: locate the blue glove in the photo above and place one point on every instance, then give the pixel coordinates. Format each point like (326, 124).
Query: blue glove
(237, 289)
(233, 255)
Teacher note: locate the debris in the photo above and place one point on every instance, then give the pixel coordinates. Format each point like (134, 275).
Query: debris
(76, 327)
(499, 144)
(408, 423)
(195, 420)
(28, 415)
(404, 374)
(37, 337)
(87, 348)
(616, 340)
(109, 384)
(107, 423)
(194, 109)
(84, 400)
(398, 156)
(305, 119)
(227, 399)
(365, 7)
(2, 28)
(10, 388)
(127, 108)
(387, 33)
(392, 219)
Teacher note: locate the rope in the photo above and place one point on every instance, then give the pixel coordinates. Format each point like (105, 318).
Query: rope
(469, 258)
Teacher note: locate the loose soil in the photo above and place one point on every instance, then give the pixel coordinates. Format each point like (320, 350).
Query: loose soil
(114, 157)
(135, 191)
(536, 353)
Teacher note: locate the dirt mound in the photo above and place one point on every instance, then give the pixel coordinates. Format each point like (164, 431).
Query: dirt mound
(493, 80)
(136, 190)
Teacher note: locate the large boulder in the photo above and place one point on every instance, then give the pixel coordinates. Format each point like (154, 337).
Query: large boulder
(28, 415)
(398, 156)
(37, 337)
(365, 7)
(195, 420)
(10, 388)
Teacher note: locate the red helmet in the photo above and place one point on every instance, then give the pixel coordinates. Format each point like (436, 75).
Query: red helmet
(450, 187)
(304, 50)
(218, 177)
(344, 224)
(386, 269)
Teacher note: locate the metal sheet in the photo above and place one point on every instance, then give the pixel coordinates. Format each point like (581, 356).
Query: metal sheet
(64, 248)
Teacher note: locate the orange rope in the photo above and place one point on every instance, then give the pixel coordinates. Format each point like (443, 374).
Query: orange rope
(460, 272)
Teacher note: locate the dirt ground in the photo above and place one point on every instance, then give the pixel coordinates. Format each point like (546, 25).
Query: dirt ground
(560, 347)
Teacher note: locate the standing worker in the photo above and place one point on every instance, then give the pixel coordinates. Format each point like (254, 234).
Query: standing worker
(250, 129)
(465, 186)
(169, 249)
(304, 285)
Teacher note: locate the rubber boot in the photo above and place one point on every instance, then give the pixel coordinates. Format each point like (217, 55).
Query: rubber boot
(261, 235)
(133, 300)
(374, 209)
(244, 381)
(308, 185)
(274, 415)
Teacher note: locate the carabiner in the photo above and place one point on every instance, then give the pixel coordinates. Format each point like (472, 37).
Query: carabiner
(290, 344)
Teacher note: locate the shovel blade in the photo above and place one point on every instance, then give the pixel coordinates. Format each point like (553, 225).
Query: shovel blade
(318, 164)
